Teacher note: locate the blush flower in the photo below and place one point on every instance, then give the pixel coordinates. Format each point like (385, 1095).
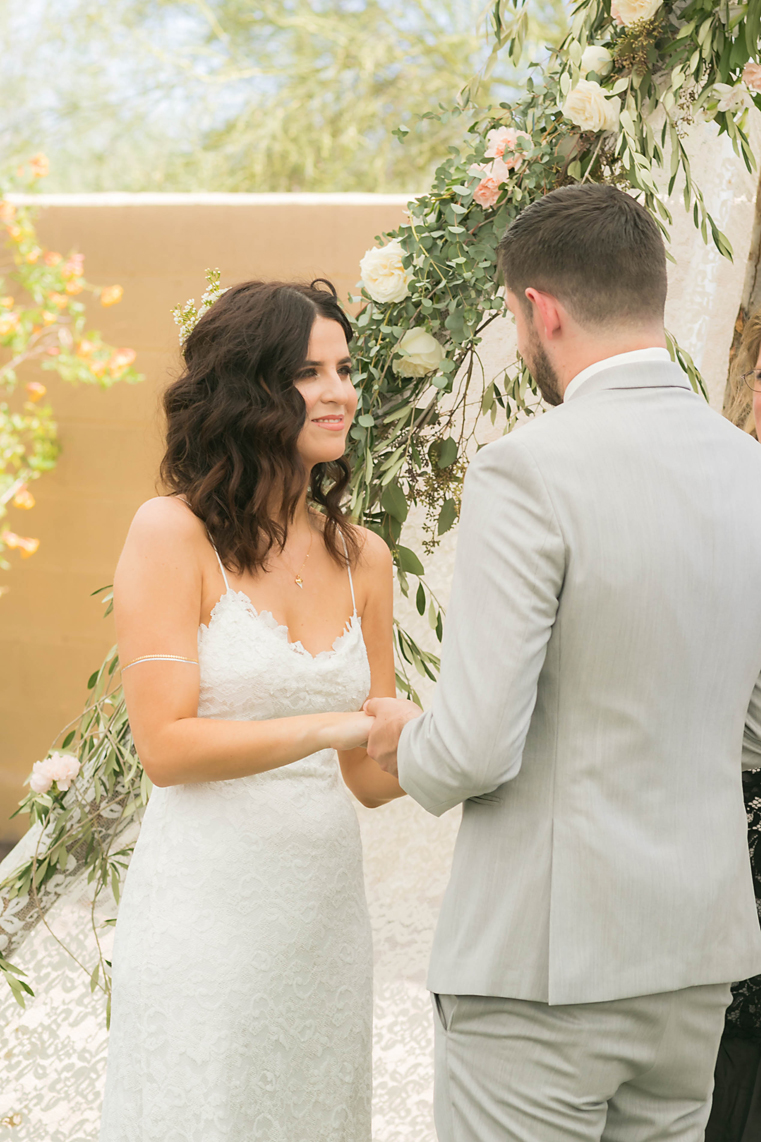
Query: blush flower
(752, 75)
(383, 273)
(61, 768)
(501, 144)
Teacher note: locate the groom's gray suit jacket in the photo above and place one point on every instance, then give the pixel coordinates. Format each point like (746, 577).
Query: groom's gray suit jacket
(596, 697)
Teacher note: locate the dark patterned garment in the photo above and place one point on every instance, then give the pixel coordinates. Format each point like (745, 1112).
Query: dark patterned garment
(744, 1012)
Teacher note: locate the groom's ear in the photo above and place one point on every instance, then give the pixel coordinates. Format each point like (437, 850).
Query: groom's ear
(547, 313)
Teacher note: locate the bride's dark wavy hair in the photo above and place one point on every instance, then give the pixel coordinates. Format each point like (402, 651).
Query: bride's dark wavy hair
(234, 416)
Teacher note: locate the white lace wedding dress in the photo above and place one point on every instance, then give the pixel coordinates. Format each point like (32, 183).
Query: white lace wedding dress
(242, 960)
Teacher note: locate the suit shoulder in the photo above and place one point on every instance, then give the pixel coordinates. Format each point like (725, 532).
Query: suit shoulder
(521, 446)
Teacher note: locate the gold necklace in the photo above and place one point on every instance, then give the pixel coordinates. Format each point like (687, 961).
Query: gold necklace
(297, 577)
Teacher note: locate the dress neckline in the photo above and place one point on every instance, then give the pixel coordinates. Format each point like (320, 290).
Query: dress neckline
(270, 623)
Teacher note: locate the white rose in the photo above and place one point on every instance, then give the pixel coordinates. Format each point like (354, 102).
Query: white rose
(630, 11)
(420, 354)
(596, 59)
(383, 275)
(588, 108)
(731, 98)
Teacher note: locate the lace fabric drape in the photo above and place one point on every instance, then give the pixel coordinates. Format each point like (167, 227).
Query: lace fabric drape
(743, 1019)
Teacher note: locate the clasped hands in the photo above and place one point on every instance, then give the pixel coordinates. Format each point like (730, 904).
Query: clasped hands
(380, 726)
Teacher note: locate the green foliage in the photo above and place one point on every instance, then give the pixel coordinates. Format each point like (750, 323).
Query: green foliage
(302, 95)
(81, 831)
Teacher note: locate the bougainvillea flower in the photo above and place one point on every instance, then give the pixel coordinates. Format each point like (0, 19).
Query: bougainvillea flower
(23, 499)
(40, 165)
(111, 295)
(121, 360)
(24, 543)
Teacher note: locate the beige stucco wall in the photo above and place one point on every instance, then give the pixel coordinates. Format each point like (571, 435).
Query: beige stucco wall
(52, 634)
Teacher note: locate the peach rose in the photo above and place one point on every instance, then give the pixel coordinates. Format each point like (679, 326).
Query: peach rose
(493, 175)
(504, 139)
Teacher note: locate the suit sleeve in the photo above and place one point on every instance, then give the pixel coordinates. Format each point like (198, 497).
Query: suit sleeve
(752, 736)
(508, 575)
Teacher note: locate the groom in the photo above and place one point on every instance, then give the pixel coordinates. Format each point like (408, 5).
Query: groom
(599, 686)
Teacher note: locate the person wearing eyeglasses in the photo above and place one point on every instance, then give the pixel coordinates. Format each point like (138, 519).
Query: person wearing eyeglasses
(736, 1110)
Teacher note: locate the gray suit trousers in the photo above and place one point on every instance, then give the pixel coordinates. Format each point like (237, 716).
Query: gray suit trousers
(625, 1070)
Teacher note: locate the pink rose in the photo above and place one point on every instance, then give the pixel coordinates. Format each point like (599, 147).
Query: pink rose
(487, 192)
(752, 75)
(503, 139)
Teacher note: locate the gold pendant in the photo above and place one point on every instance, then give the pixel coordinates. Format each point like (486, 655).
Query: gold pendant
(299, 582)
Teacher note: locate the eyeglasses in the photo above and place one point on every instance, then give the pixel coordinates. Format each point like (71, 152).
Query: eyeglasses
(753, 380)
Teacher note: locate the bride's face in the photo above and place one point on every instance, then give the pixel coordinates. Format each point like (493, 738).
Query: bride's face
(324, 382)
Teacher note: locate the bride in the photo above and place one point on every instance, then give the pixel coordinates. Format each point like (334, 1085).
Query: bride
(253, 621)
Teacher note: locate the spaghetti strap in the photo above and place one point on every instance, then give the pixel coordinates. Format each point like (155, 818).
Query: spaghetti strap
(219, 561)
(348, 568)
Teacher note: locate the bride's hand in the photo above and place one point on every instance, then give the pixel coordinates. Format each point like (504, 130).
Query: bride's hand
(349, 731)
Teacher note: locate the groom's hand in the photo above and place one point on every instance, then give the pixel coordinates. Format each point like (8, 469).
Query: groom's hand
(390, 717)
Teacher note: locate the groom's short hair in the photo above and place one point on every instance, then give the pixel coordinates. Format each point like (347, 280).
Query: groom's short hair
(592, 247)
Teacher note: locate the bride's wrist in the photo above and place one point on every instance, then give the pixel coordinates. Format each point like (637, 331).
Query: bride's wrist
(326, 729)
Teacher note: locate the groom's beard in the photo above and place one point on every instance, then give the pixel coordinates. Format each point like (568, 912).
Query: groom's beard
(542, 371)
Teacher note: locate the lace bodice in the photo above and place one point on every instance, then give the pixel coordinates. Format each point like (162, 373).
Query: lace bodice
(249, 669)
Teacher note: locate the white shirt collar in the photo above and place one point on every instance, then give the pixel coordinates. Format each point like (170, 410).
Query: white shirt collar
(654, 354)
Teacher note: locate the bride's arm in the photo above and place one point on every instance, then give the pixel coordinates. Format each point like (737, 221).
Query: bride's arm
(375, 594)
(158, 591)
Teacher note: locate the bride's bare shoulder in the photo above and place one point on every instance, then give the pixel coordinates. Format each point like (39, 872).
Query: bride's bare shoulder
(374, 555)
(165, 520)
